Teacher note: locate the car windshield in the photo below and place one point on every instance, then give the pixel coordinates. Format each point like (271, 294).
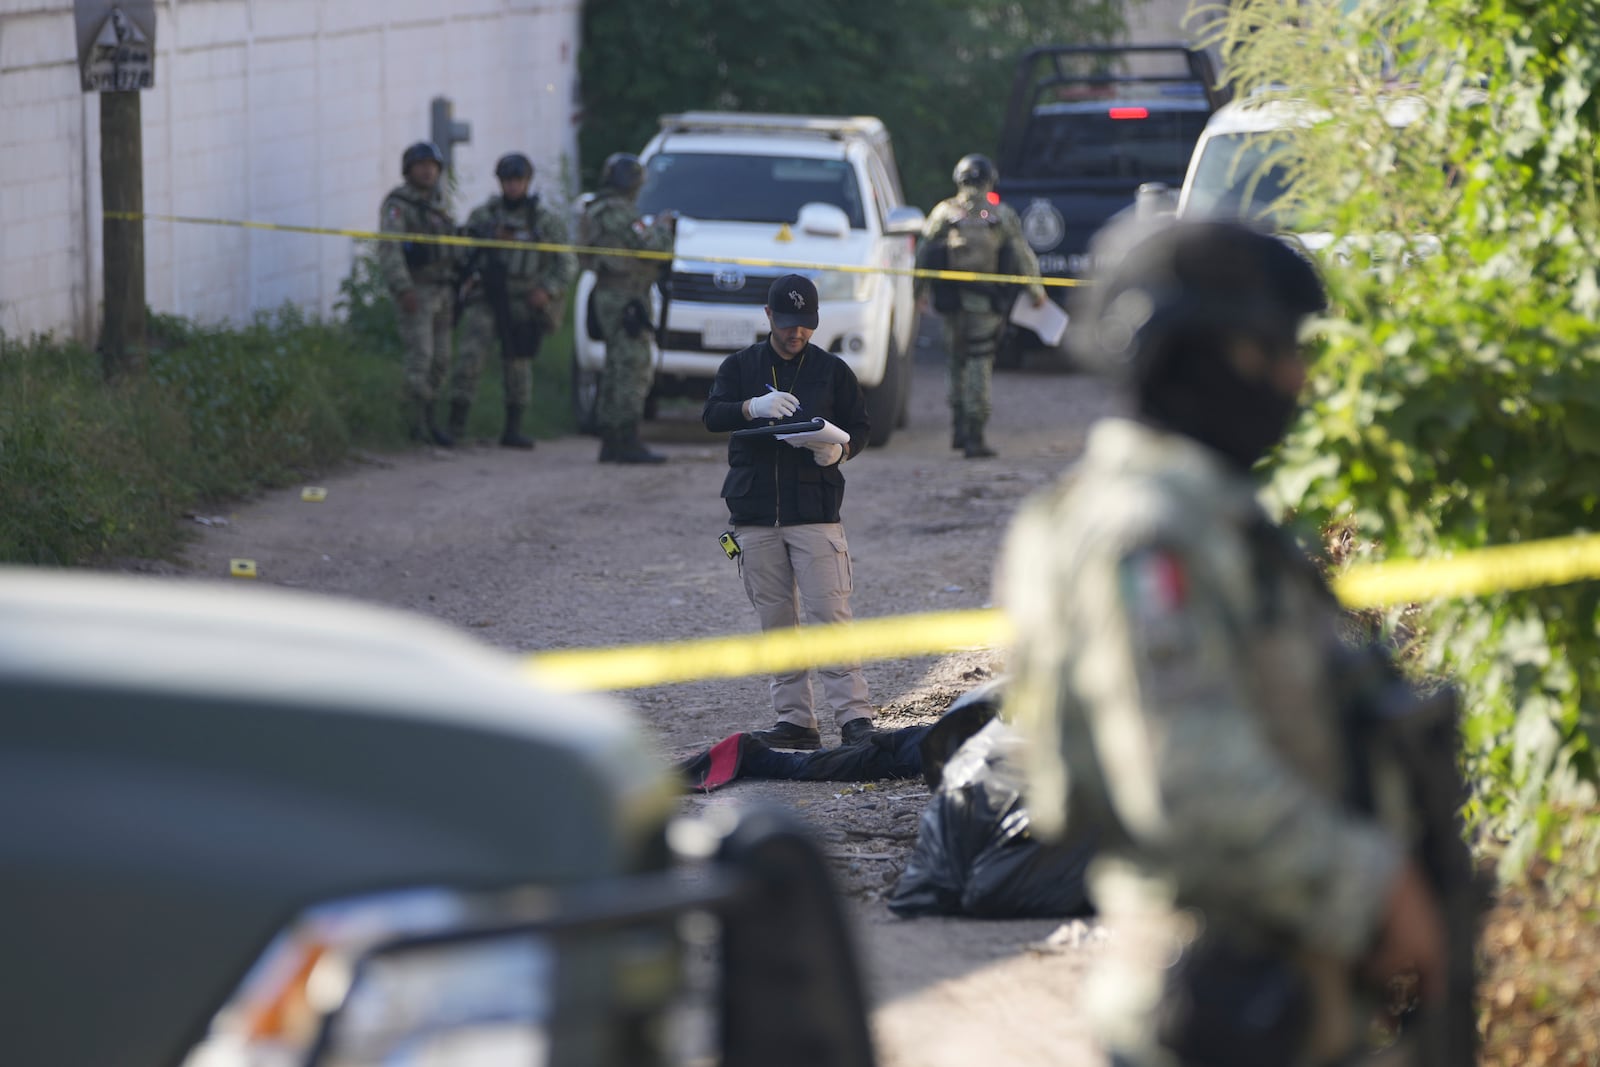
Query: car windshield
(1134, 142)
(1242, 175)
(746, 188)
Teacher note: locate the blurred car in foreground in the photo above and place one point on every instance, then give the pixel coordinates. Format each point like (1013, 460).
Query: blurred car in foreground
(251, 826)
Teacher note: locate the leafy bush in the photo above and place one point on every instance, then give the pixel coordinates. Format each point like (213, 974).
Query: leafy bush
(92, 470)
(1456, 398)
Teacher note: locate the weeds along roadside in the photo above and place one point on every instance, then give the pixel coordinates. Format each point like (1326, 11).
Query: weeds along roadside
(93, 470)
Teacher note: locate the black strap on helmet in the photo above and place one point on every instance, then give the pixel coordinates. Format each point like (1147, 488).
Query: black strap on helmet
(417, 153)
(622, 171)
(513, 165)
(975, 169)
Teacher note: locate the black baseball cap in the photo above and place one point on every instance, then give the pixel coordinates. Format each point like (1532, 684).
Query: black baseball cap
(793, 302)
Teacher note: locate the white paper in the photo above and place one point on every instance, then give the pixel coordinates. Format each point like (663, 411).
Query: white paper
(1047, 320)
(829, 433)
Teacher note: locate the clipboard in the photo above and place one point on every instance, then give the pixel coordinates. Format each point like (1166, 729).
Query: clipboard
(803, 426)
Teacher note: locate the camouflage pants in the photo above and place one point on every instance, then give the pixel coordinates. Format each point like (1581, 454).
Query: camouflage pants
(970, 338)
(480, 338)
(628, 374)
(425, 333)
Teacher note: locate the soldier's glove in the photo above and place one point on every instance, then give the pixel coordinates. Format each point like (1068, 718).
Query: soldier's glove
(774, 405)
(825, 453)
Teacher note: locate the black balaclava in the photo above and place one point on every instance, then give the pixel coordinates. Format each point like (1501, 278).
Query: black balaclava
(1174, 302)
(1202, 395)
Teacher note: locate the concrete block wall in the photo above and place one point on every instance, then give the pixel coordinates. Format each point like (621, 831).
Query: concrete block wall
(281, 111)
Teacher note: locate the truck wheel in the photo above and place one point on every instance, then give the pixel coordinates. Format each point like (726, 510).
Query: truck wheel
(585, 395)
(884, 399)
(903, 416)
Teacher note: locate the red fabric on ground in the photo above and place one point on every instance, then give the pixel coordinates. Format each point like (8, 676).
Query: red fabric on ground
(724, 763)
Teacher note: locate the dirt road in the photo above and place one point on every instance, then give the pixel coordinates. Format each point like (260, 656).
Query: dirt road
(542, 550)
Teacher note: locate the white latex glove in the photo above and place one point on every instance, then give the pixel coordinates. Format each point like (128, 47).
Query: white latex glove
(774, 405)
(826, 453)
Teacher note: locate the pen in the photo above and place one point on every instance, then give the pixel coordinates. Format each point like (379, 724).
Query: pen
(774, 389)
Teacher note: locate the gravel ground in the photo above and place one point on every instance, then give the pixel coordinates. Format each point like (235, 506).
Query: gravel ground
(545, 550)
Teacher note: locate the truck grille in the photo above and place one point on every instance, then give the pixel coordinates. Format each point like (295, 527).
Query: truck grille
(728, 285)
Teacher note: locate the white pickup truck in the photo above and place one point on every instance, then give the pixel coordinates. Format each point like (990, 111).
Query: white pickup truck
(777, 193)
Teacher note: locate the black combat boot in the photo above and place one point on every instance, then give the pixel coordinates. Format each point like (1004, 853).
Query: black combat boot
(511, 436)
(435, 434)
(632, 450)
(958, 431)
(973, 446)
(458, 419)
(608, 446)
(416, 420)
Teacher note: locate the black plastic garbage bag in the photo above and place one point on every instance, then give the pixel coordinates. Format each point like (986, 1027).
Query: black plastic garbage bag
(974, 854)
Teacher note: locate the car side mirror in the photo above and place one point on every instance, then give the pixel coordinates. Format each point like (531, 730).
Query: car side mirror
(904, 219)
(823, 220)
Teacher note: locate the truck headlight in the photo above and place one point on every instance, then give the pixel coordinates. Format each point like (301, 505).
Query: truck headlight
(857, 286)
(417, 978)
(452, 1004)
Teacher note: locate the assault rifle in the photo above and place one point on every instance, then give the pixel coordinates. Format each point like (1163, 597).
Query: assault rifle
(519, 339)
(1387, 719)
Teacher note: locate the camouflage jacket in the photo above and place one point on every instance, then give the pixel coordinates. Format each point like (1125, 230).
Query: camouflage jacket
(610, 220)
(1173, 664)
(975, 233)
(525, 269)
(409, 209)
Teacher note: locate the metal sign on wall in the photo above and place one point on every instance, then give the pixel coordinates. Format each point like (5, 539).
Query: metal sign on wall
(116, 45)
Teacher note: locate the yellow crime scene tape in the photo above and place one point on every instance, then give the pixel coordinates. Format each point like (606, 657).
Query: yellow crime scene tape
(459, 241)
(1557, 561)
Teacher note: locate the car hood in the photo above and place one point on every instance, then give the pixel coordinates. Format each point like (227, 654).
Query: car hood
(702, 245)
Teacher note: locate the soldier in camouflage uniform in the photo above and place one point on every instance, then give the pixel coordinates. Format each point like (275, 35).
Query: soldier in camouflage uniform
(513, 296)
(1177, 666)
(969, 233)
(621, 304)
(419, 275)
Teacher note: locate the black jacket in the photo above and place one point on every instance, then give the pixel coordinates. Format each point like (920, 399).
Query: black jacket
(771, 483)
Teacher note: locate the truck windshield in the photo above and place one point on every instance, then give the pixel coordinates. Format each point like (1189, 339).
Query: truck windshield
(745, 188)
(1128, 142)
(1241, 175)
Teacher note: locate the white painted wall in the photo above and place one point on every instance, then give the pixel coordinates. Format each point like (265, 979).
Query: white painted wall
(286, 111)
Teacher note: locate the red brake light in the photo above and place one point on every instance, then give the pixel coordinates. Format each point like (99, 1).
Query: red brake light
(1129, 112)
(994, 197)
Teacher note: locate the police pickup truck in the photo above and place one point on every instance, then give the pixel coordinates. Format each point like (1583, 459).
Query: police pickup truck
(765, 190)
(1085, 127)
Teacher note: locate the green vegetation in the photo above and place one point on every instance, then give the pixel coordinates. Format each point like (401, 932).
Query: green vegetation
(92, 470)
(936, 71)
(1457, 395)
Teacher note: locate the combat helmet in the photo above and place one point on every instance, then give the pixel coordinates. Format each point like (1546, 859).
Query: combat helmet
(1181, 280)
(514, 165)
(622, 171)
(977, 171)
(417, 153)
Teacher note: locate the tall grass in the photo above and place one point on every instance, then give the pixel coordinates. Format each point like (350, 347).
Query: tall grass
(92, 470)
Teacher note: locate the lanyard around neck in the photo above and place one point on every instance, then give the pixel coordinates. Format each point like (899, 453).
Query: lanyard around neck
(774, 370)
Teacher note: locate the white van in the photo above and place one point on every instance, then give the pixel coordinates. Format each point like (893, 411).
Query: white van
(1242, 163)
(774, 189)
